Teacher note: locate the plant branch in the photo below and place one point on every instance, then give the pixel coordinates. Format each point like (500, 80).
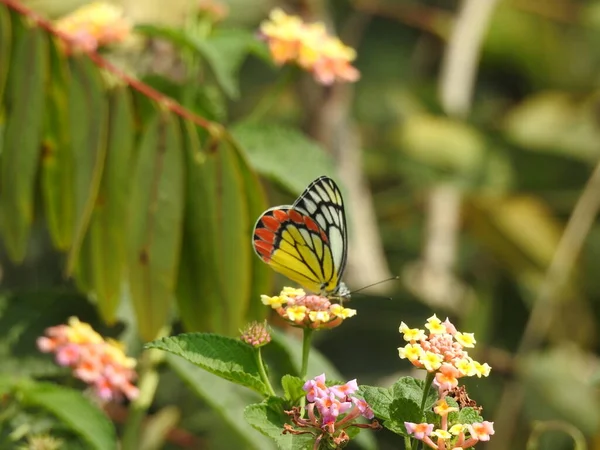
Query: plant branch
(101, 62)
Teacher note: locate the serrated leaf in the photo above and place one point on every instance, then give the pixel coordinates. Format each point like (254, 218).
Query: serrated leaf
(268, 417)
(104, 248)
(283, 154)
(21, 150)
(403, 410)
(411, 388)
(58, 171)
(379, 399)
(72, 408)
(226, 357)
(156, 216)
(468, 415)
(228, 400)
(292, 388)
(88, 117)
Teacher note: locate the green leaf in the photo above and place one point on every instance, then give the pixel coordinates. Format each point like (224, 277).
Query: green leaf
(72, 408)
(217, 230)
(22, 139)
(379, 399)
(5, 47)
(269, 418)
(88, 108)
(283, 154)
(226, 357)
(403, 410)
(262, 275)
(156, 216)
(103, 254)
(234, 230)
(411, 388)
(468, 415)
(58, 172)
(199, 290)
(292, 387)
(229, 401)
(225, 51)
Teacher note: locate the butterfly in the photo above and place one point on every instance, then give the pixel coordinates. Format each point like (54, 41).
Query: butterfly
(307, 241)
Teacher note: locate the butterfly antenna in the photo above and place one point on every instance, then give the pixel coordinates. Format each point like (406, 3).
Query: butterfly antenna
(375, 284)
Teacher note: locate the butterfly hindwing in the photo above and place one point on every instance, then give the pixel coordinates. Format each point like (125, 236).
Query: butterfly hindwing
(306, 241)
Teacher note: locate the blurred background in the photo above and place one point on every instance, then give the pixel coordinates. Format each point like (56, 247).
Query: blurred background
(468, 156)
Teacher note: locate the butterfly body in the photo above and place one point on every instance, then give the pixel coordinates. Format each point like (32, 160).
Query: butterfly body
(307, 241)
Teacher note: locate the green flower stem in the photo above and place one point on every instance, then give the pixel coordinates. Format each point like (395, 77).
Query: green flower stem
(147, 384)
(306, 341)
(262, 371)
(426, 386)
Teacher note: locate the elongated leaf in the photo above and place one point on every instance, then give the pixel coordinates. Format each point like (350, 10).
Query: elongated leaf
(229, 358)
(233, 236)
(57, 160)
(23, 135)
(103, 253)
(283, 154)
(71, 407)
(215, 280)
(156, 216)
(88, 109)
(199, 290)
(262, 275)
(5, 47)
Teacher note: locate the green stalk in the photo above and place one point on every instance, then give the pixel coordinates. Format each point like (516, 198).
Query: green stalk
(148, 383)
(426, 386)
(262, 371)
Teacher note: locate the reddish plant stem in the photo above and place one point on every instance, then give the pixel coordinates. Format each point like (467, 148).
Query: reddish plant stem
(101, 62)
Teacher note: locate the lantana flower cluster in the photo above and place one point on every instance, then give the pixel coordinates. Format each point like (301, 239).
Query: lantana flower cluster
(98, 362)
(291, 40)
(330, 411)
(94, 25)
(442, 351)
(307, 311)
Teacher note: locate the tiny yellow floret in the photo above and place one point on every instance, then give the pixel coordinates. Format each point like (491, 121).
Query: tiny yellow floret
(442, 434)
(319, 316)
(338, 310)
(296, 313)
(465, 339)
(431, 361)
(443, 408)
(412, 352)
(274, 302)
(465, 366)
(456, 429)
(481, 369)
(435, 325)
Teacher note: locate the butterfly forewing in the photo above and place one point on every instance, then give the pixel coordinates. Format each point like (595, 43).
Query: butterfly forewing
(306, 241)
